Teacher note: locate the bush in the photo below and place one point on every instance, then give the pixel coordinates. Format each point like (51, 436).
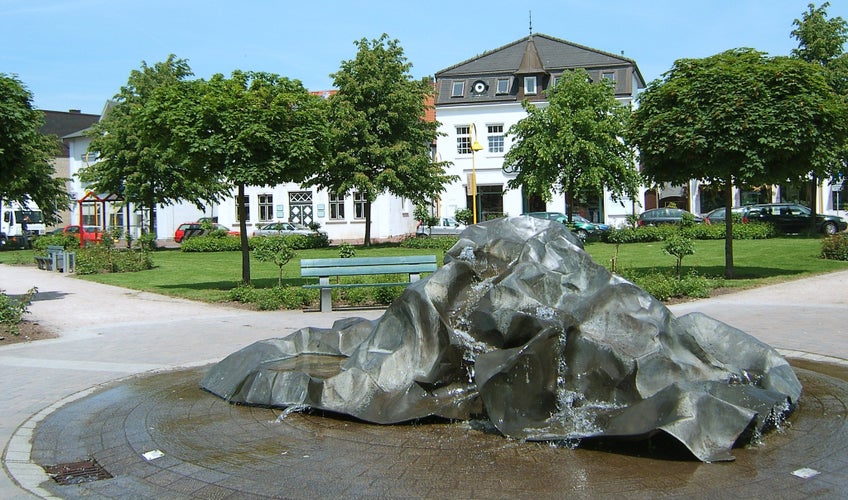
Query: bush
(347, 251)
(104, 259)
(12, 311)
(228, 243)
(835, 247)
(40, 244)
(211, 243)
(645, 234)
(443, 243)
(665, 287)
(270, 299)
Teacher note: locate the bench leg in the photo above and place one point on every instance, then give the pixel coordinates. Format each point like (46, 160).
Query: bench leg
(326, 295)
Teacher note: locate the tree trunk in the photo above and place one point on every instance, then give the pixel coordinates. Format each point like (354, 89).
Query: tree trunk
(728, 228)
(367, 241)
(151, 204)
(569, 205)
(813, 199)
(245, 250)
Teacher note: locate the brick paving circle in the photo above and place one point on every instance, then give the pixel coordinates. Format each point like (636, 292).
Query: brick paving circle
(211, 449)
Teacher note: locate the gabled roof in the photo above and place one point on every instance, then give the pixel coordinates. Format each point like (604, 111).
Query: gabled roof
(554, 55)
(62, 123)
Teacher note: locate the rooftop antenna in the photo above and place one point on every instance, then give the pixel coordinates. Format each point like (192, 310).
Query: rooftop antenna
(531, 23)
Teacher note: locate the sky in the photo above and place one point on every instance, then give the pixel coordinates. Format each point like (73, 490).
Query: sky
(76, 54)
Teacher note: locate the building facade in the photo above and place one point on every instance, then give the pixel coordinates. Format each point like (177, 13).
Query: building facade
(478, 100)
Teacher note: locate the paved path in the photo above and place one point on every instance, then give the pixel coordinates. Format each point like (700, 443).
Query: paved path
(108, 333)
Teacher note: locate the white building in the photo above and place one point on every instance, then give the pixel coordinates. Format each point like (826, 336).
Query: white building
(341, 218)
(478, 100)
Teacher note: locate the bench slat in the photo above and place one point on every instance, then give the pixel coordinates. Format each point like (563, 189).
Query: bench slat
(367, 261)
(367, 270)
(411, 265)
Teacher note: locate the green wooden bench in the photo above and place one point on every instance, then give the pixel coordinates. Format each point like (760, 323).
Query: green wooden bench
(323, 269)
(57, 259)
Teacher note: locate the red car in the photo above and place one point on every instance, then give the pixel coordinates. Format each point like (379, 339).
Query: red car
(188, 229)
(86, 234)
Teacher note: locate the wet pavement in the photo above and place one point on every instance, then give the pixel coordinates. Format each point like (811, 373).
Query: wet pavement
(121, 382)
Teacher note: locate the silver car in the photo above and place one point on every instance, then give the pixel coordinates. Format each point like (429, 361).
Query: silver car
(447, 226)
(280, 228)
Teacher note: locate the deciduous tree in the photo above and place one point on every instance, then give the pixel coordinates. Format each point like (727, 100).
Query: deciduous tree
(134, 143)
(26, 168)
(381, 140)
(821, 41)
(574, 143)
(738, 118)
(252, 129)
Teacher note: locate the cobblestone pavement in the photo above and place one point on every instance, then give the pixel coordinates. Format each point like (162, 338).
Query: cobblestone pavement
(81, 396)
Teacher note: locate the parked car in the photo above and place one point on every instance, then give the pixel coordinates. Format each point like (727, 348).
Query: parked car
(599, 226)
(581, 227)
(281, 228)
(190, 229)
(446, 226)
(657, 216)
(88, 234)
(794, 218)
(717, 216)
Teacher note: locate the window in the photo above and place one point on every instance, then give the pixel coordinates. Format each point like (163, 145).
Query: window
(246, 208)
(336, 207)
(608, 75)
(555, 80)
(358, 205)
(463, 139)
(458, 89)
(266, 207)
(496, 138)
(529, 84)
(503, 86)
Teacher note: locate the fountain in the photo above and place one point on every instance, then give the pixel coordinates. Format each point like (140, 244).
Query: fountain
(521, 327)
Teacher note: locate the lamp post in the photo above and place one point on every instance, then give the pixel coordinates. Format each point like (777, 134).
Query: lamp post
(475, 146)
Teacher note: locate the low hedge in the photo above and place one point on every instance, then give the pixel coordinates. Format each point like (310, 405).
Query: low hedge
(835, 247)
(228, 243)
(443, 243)
(645, 234)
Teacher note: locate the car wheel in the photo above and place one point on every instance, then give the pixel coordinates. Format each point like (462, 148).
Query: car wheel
(582, 235)
(829, 228)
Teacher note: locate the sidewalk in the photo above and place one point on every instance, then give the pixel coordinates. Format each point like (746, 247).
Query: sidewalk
(108, 333)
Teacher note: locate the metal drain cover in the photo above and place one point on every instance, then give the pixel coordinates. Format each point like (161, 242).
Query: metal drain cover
(77, 472)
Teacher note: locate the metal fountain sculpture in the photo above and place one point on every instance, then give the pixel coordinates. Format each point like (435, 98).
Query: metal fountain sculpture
(522, 327)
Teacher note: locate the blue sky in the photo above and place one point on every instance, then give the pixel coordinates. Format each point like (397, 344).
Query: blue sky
(76, 54)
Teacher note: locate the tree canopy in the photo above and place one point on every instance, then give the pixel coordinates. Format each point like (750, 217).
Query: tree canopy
(26, 155)
(738, 118)
(380, 138)
(574, 143)
(252, 129)
(134, 143)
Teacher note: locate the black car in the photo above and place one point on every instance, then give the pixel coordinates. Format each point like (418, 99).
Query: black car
(717, 216)
(794, 218)
(657, 216)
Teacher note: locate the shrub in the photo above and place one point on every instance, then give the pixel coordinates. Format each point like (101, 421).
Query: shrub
(67, 241)
(443, 243)
(665, 287)
(347, 251)
(679, 246)
(273, 249)
(270, 299)
(104, 259)
(645, 234)
(835, 247)
(12, 310)
(209, 243)
(464, 216)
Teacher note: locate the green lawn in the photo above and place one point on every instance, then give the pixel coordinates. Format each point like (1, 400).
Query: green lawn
(208, 276)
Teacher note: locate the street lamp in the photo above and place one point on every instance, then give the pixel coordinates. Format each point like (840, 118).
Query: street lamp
(475, 146)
